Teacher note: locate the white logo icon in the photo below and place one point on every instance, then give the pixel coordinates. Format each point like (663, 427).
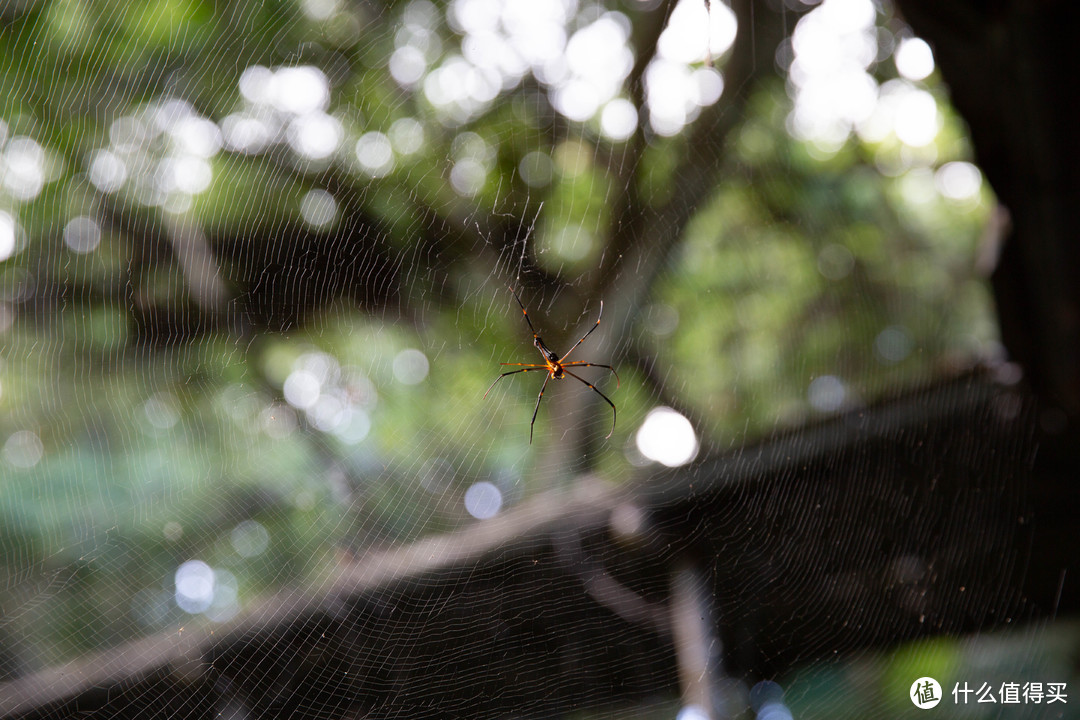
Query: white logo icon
(925, 693)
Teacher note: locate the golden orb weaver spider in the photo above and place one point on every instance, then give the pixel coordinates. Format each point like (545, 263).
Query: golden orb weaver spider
(557, 367)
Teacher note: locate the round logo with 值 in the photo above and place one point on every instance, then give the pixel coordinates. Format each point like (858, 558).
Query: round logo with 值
(925, 693)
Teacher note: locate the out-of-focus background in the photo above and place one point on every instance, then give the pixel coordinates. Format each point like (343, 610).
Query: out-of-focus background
(256, 262)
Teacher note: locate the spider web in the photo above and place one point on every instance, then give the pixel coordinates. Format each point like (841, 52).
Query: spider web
(256, 267)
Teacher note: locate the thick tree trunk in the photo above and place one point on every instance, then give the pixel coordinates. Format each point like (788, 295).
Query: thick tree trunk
(1012, 67)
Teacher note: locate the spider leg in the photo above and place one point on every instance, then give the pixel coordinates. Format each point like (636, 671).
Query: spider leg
(524, 312)
(593, 388)
(513, 372)
(581, 363)
(532, 365)
(588, 333)
(537, 408)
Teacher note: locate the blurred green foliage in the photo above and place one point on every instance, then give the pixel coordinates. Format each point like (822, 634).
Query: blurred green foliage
(154, 389)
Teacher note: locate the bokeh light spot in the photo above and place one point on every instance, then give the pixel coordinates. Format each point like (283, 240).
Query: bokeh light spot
(407, 136)
(536, 169)
(572, 243)
(320, 9)
(250, 538)
(225, 602)
(914, 59)
(467, 177)
(667, 437)
(692, 712)
(315, 135)
(407, 65)
(958, 181)
(194, 582)
(318, 208)
(661, 319)
(161, 411)
(572, 158)
(299, 90)
(302, 388)
(375, 153)
(278, 421)
(893, 344)
(8, 236)
(22, 168)
(917, 118)
(107, 171)
(835, 261)
(82, 234)
(619, 119)
(693, 31)
(774, 711)
(483, 500)
(23, 449)
(827, 393)
(411, 367)
(172, 531)
(354, 426)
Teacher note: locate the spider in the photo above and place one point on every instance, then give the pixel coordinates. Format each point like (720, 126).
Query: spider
(557, 367)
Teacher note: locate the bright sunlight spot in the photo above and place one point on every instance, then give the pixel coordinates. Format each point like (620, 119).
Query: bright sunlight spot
(958, 180)
(22, 168)
(914, 59)
(107, 170)
(693, 32)
(194, 586)
(315, 135)
(675, 91)
(301, 389)
(917, 118)
(7, 236)
(375, 153)
(296, 90)
(584, 68)
(200, 589)
(619, 119)
(667, 437)
(692, 712)
(833, 46)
